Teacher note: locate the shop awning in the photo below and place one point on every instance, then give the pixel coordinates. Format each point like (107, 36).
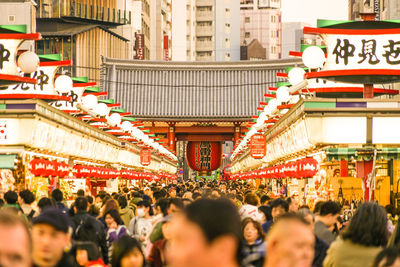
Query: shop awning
(7, 161)
(364, 154)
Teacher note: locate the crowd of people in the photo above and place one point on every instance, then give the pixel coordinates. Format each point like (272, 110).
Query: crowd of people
(191, 224)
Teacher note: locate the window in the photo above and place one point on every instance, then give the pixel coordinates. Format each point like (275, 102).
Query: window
(227, 28)
(227, 43)
(247, 35)
(247, 19)
(227, 13)
(227, 56)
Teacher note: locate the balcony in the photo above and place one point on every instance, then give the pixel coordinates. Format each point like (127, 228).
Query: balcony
(64, 9)
(205, 3)
(204, 16)
(204, 30)
(204, 46)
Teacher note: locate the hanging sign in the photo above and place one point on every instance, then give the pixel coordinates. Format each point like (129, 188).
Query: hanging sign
(258, 146)
(71, 105)
(145, 157)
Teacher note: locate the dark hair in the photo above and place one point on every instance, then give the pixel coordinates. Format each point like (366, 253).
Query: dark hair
(252, 199)
(81, 204)
(389, 255)
(279, 203)
(57, 195)
(264, 198)
(267, 212)
(329, 207)
(256, 225)
(163, 204)
(1, 202)
(89, 199)
(124, 246)
(122, 202)
(115, 215)
(80, 193)
(317, 207)
(27, 196)
(196, 195)
(177, 202)
(93, 210)
(11, 197)
(368, 226)
(91, 248)
(225, 219)
(110, 204)
(45, 203)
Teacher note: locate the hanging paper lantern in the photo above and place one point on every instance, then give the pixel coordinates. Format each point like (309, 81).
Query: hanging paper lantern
(309, 167)
(204, 156)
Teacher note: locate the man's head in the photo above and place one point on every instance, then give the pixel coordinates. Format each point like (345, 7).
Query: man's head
(15, 241)
(57, 195)
(290, 243)
(252, 199)
(26, 197)
(329, 212)
(172, 192)
(81, 193)
(81, 204)
(175, 205)
(293, 204)
(50, 235)
(143, 208)
(122, 202)
(198, 238)
(11, 197)
(278, 207)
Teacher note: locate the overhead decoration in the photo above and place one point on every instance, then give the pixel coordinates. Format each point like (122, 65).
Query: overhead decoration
(204, 156)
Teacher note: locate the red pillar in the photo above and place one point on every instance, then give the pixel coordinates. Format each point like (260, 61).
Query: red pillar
(363, 169)
(171, 136)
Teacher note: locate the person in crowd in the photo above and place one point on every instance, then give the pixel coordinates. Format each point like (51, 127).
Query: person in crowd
(98, 201)
(172, 192)
(278, 208)
(26, 198)
(320, 247)
(1, 203)
(389, 257)
(264, 199)
(86, 254)
(327, 218)
(175, 205)
(201, 240)
(127, 252)
(115, 229)
(93, 209)
(362, 240)
(11, 198)
(140, 226)
(58, 196)
(290, 243)
(250, 209)
(157, 256)
(293, 204)
(125, 211)
(45, 203)
(15, 241)
(109, 204)
(87, 228)
(51, 236)
(80, 193)
(317, 207)
(253, 243)
(266, 211)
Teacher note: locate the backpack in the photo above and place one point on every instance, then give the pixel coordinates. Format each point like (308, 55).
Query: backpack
(86, 230)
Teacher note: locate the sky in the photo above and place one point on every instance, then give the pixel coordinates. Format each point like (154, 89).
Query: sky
(310, 10)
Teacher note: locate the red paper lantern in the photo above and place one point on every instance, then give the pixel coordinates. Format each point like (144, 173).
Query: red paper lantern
(309, 167)
(204, 156)
(37, 167)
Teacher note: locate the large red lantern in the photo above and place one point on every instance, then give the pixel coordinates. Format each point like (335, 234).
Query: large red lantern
(309, 167)
(204, 156)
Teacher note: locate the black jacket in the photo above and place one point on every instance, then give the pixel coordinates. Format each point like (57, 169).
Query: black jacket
(92, 231)
(320, 249)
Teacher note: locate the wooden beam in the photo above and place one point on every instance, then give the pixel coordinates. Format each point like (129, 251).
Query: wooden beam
(205, 137)
(197, 129)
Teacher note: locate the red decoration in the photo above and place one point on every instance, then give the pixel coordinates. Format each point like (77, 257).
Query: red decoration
(204, 156)
(145, 157)
(258, 146)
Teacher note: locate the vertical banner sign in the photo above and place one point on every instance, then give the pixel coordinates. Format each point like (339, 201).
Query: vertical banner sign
(166, 49)
(139, 46)
(145, 157)
(377, 9)
(258, 146)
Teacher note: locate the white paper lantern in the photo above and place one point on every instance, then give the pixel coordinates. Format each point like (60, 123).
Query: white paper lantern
(114, 119)
(63, 84)
(126, 126)
(294, 99)
(101, 109)
(263, 116)
(28, 62)
(296, 75)
(89, 101)
(273, 105)
(313, 57)
(282, 94)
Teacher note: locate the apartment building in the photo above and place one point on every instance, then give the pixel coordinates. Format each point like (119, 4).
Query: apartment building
(261, 20)
(385, 9)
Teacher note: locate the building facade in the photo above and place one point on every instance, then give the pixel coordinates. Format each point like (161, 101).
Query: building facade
(211, 30)
(385, 9)
(261, 20)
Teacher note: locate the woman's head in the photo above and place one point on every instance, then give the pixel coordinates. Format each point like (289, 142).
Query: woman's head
(368, 226)
(85, 252)
(251, 230)
(112, 216)
(109, 205)
(389, 257)
(127, 252)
